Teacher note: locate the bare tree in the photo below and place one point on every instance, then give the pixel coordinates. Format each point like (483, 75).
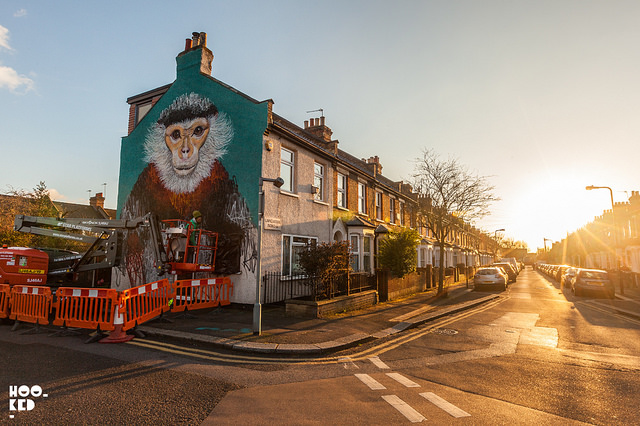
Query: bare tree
(449, 196)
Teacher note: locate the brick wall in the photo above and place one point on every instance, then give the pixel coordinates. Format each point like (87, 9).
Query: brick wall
(132, 118)
(324, 308)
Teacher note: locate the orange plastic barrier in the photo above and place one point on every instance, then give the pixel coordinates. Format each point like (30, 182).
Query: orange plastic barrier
(203, 293)
(5, 296)
(31, 304)
(142, 303)
(226, 291)
(85, 308)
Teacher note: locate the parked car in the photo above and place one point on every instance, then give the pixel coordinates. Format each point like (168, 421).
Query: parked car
(566, 280)
(490, 276)
(594, 281)
(513, 262)
(511, 272)
(560, 272)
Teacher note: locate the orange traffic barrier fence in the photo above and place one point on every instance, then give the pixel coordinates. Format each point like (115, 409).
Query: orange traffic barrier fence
(226, 291)
(202, 293)
(31, 304)
(85, 308)
(5, 296)
(142, 303)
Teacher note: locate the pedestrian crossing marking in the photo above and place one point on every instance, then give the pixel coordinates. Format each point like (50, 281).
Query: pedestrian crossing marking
(378, 363)
(370, 381)
(348, 363)
(411, 414)
(403, 380)
(444, 405)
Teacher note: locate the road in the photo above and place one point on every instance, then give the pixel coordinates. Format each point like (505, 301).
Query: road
(535, 355)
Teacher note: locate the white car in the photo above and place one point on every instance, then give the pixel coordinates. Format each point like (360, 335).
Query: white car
(490, 276)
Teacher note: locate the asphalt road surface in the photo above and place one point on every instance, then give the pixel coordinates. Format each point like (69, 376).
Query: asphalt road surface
(535, 355)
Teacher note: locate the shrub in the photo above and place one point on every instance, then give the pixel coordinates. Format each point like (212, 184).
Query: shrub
(328, 262)
(398, 252)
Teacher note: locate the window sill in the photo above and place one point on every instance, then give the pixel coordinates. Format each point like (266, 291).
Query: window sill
(342, 208)
(322, 203)
(289, 194)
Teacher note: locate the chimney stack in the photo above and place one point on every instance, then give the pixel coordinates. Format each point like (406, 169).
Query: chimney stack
(97, 200)
(316, 127)
(373, 164)
(199, 41)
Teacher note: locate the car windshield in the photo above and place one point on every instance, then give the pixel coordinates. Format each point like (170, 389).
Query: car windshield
(488, 271)
(505, 266)
(594, 275)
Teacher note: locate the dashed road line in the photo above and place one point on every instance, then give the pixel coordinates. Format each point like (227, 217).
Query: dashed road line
(412, 415)
(409, 412)
(370, 381)
(378, 363)
(403, 380)
(444, 405)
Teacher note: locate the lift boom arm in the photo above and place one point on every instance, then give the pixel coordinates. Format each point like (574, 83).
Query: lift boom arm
(105, 236)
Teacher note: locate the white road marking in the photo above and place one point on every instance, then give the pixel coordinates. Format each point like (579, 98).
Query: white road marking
(378, 363)
(412, 415)
(403, 380)
(370, 381)
(348, 363)
(444, 405)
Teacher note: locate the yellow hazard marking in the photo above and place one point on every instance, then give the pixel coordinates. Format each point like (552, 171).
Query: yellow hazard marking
(31, 271)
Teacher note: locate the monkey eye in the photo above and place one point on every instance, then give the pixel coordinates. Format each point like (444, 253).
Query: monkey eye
(175, 134)
(198, 131)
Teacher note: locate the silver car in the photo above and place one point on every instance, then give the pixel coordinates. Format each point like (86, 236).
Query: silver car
(490, 276)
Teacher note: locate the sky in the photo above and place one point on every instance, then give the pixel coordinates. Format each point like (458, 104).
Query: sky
(540, 97)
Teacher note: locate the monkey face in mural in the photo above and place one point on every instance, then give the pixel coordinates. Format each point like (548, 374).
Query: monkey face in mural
(184, 149)
(185, 143)
(188, 138)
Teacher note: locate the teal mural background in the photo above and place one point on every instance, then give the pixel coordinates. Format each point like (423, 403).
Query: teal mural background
(249, 118)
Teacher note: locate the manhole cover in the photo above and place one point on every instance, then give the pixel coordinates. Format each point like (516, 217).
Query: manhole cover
(446, 331)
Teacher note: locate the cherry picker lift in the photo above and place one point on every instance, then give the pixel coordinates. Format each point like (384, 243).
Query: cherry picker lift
(174, 250)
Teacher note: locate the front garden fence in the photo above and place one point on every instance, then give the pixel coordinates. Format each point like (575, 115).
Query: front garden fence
(277, 287)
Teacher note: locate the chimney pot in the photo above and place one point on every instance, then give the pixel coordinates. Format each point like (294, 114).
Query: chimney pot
(187, 44)
(322, 120)
(306, 124)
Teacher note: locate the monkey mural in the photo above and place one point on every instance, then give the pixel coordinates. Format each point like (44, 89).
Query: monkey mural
(184, 173)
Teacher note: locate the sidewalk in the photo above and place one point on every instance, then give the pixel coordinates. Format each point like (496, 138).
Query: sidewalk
(230, 327)
(627, 304)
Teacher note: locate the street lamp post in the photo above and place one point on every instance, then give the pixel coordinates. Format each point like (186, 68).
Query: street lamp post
(615, 237)
(495, 240)
(257, 308)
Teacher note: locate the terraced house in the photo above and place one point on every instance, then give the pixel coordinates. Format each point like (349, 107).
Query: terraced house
(199, 144)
